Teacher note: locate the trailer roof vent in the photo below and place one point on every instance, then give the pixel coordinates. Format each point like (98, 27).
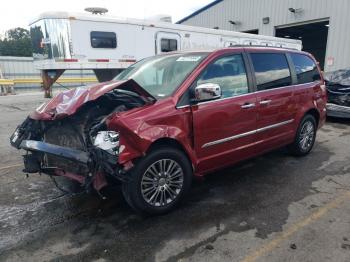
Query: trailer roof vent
(161, 18)
(96, 10)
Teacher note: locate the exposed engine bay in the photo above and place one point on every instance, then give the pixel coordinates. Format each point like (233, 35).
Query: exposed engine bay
(78, 146)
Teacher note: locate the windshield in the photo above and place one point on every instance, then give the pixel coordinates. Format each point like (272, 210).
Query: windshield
(162, 75)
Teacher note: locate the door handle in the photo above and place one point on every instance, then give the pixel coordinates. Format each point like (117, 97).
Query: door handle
(265, 102)
(248, 105)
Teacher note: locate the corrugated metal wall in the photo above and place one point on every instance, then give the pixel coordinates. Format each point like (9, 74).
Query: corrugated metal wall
(23, 67)
(250, 13)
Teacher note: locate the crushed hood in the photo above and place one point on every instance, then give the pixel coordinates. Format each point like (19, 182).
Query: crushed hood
(68, 102)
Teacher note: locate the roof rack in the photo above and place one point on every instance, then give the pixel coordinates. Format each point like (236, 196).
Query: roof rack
(277, 47)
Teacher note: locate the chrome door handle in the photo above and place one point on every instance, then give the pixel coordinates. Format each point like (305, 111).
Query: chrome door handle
(245, 106)
(265, 102)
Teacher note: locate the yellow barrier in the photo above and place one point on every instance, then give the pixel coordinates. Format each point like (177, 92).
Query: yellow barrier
(61, 80)
(6, 82)
(7, 86)
(77, 80)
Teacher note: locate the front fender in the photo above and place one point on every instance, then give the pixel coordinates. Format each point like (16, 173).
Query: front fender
(137, 134)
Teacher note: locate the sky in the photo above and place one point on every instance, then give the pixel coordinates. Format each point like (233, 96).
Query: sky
(18, 13)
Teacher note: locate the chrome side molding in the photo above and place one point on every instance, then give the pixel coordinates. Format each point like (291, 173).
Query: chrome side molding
(223, 140)
(220, 141)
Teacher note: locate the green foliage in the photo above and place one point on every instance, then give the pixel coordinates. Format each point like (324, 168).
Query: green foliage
(16, 43)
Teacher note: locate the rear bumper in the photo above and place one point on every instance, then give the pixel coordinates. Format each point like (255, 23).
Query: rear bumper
(335, 110)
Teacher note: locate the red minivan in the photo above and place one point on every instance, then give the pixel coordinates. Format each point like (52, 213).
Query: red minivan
(170, 117)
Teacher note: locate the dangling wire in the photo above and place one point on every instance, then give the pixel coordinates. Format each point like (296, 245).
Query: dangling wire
(60, 188)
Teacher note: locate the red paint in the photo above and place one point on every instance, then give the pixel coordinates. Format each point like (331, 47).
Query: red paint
(68, 102)
(127, 60)
(99, 181)
(193, 126)
(78, 178)
(70, 60)
(102, 60)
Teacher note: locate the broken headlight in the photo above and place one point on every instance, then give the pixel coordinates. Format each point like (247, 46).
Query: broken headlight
(108, 141)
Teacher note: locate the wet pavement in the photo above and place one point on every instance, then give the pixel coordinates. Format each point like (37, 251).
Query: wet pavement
(271, 208)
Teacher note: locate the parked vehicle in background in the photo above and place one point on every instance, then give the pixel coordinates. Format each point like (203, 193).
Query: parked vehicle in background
(172, 116)
(338, 88)
(107, 44)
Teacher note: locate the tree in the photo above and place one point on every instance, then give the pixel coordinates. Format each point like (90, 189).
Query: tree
(16, 43)
(17, 33)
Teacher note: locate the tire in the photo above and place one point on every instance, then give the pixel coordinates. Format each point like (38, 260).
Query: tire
(305, 136)
(172, 186)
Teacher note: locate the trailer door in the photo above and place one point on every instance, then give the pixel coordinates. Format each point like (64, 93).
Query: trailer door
(167, 42)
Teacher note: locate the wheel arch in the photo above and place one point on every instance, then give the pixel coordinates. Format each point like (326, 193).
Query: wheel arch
(172, 142)
(314, 112)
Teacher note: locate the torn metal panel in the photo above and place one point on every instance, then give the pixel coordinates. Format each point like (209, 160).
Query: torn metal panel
(68, 102)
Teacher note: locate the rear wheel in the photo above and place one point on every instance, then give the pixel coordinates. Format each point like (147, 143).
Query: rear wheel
(305, 137)
(159, 181)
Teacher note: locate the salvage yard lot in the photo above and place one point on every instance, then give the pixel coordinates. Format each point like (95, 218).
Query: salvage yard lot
(272, 208)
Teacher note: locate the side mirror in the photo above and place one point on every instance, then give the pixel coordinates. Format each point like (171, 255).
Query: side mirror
(206, 92)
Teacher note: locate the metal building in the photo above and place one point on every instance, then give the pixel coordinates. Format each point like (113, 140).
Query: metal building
(322, 25)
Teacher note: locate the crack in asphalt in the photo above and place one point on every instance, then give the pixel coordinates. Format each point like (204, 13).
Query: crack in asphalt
(31, 207)
(12, 107)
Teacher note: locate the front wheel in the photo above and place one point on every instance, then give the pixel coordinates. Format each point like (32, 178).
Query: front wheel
(305, 136)
(159, 181)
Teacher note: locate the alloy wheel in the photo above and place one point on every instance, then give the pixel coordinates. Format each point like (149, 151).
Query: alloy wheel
(162, 182)
(307, 136)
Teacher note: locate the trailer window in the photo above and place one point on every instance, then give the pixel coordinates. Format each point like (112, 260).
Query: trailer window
(168, 45)
(103, 39)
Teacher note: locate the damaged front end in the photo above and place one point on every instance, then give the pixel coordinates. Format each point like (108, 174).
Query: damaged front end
(68, 136)
(338, 91)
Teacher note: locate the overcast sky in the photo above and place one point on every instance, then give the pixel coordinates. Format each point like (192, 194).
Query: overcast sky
(19, 12)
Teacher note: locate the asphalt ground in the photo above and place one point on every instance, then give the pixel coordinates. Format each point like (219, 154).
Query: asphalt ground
(272, 208)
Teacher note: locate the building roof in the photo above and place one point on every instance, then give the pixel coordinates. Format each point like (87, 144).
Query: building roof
(199, 11)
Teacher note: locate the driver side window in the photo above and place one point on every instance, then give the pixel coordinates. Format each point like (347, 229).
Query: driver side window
(228, 72)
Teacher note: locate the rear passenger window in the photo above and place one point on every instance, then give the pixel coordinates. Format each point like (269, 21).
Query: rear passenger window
(305, 68)
(229, 73)
(271, 70)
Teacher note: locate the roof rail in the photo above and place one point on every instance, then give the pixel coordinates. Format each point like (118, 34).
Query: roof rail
(278, 47)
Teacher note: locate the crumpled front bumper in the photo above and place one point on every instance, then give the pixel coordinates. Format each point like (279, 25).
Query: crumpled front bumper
(98, 162)
(59, 151)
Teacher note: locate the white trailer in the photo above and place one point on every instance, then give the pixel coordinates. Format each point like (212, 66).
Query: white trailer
(107, 45)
